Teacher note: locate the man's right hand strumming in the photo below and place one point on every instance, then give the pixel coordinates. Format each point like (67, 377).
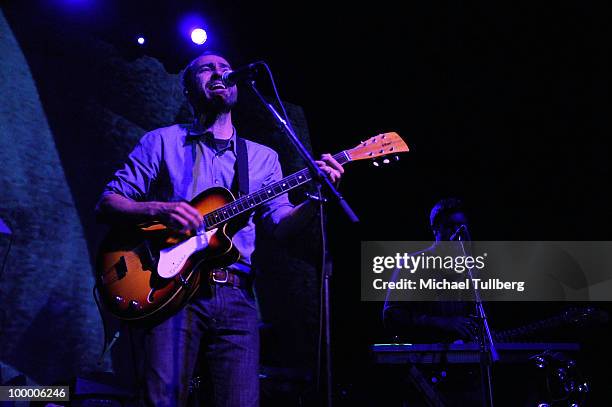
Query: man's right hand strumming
(179, 216)
(117, 209)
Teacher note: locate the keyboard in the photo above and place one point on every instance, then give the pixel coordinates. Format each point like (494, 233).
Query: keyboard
(426, 353)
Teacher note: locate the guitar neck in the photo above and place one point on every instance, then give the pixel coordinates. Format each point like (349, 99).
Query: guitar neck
(251, 201)
(567, 317)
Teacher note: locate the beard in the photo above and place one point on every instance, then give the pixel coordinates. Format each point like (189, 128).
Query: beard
(216, 104)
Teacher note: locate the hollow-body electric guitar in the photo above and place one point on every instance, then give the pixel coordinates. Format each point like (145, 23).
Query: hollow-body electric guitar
(148, 271)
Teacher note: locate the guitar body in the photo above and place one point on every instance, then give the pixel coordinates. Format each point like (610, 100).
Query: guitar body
(128, 280)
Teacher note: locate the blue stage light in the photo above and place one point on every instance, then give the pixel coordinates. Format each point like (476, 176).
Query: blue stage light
(141, 40)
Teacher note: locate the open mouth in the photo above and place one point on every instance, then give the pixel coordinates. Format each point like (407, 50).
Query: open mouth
(216, 86)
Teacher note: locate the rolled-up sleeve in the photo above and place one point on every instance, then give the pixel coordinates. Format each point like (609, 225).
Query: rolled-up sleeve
(272, 212)
(134, 179)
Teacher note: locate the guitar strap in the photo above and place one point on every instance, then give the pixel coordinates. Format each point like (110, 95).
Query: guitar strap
(240, 183)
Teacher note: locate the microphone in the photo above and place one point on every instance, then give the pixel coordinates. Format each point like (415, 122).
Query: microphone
(230, 78)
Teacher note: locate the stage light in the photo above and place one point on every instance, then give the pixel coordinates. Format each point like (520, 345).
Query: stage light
(141, 40)
(198, 36)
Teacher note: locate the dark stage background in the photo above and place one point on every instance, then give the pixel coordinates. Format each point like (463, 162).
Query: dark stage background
(504, 104)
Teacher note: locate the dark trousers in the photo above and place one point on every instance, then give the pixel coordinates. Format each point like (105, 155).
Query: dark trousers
(217, 332)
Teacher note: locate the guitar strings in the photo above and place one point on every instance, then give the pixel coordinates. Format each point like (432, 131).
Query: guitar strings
(243, 204)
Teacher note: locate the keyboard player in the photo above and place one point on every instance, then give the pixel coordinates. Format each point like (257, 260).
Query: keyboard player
(438, 322)
(432, 322)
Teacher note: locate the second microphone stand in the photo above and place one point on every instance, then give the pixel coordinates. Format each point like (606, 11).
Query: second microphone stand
(488, 352)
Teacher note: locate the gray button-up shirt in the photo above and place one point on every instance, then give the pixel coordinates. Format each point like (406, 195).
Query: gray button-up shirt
(176, 163)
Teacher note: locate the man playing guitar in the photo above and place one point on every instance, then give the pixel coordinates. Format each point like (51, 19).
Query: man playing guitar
(167, 169)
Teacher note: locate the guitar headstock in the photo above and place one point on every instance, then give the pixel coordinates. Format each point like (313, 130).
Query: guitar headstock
(378, 146)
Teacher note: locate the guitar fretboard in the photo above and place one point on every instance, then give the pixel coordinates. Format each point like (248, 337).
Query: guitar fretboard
(251, 201)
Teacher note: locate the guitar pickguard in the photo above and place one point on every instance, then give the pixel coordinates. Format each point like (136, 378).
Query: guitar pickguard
(172, 259)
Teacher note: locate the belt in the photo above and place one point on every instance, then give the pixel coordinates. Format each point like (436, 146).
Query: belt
(223, 276)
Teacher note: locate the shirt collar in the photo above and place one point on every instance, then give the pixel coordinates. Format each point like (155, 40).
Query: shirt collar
(196, 133)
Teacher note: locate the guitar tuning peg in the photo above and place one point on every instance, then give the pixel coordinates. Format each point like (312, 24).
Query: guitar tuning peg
(386, 161)
(375, 163)
(396, 157)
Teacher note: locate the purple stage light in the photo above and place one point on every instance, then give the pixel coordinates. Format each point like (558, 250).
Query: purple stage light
(141, 40)
(198, 36)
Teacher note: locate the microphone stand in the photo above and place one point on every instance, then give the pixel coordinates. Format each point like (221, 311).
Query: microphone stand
(322, 180)
(318, 175)
(488, 352)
